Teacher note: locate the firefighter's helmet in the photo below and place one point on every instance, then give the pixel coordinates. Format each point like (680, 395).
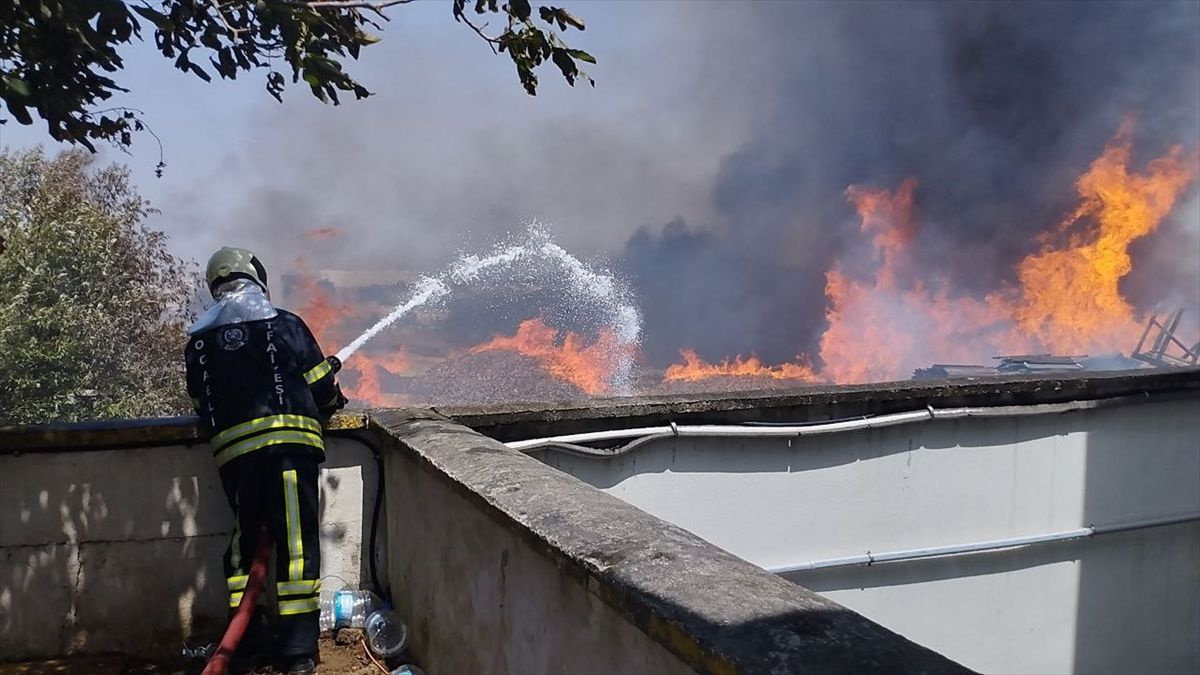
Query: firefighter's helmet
(234, 263)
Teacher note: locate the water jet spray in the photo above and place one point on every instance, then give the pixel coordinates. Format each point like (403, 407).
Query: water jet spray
(577, 282)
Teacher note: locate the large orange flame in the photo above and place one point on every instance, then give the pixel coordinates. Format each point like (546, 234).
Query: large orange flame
(324, 315)
(326, 318)
(889, 216)
(587, 366)
(1067, 300)
(1069, 295)
(867, 338)
(367, 388)
(695, 368)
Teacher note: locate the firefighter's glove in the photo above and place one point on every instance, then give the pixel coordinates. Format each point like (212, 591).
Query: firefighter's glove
(338, 402)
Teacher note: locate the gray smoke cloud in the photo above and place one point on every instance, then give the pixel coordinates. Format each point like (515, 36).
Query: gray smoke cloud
(995, 108)
(711, 160)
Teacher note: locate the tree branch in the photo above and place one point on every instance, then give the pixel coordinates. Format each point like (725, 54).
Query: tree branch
(491, 41)
(140, 120)
(376, 6)
(235, 32)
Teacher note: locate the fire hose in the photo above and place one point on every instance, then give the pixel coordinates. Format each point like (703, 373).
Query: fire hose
(241, 618)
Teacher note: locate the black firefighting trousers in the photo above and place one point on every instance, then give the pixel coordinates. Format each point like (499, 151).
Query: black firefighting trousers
(279, 489)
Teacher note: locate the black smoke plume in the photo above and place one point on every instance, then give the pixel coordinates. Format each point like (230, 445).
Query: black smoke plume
(995, 108)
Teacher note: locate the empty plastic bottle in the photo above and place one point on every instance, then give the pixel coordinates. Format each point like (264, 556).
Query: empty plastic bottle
(407, 669)
(347, 608)
(387, 636)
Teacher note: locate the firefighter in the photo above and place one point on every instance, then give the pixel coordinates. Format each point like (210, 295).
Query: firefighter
(261, 387)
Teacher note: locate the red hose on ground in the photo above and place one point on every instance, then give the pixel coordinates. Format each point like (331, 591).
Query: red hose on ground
(241, 619)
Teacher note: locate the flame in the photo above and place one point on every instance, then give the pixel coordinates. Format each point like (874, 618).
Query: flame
(889, 216)
(862, 342)
(587, 366)
(324, 315)
(1070, 297)
(1067, 301)
(366, 388)
(326, 318)
(322, 233)
(695, 368)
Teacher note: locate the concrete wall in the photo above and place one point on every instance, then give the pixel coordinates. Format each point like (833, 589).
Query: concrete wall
(111, 537)
(500, 564)
(481, 600)
(119, 550)
(1117, 603)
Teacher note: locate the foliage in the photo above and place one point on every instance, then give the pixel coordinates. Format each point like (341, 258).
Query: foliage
(57, 57)
(93, 308)
(528, 45)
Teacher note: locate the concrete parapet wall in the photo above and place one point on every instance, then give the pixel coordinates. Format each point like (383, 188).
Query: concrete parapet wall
(501, 564)
(516, 421)
(1116, 603)
(111, 537)
(119, 549)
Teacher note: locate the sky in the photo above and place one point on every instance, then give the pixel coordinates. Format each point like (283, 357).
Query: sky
(449, 119)
(708, 165)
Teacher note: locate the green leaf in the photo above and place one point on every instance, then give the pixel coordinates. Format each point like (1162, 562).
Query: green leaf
(17, 86)
(199, 72)
(19, 113)
(210, 38)
(520, 9)
(571, 19)
(562, 17)
(160, 20)
(565, 64)
(581, 55)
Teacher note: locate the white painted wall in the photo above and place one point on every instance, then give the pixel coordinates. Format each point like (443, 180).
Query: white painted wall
(1118, 603)
(120, 550)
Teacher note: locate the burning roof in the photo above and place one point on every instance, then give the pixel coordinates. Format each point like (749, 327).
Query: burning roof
(886, 317)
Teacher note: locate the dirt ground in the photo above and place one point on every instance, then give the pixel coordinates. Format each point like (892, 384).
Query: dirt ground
(343, 655)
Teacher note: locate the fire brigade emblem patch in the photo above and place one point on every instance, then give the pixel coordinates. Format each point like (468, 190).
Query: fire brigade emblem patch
(232, 338)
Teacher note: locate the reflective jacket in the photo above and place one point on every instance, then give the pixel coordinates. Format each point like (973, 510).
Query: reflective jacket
(261, 386)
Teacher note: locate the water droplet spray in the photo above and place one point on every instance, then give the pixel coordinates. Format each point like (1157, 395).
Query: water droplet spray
(537, 255)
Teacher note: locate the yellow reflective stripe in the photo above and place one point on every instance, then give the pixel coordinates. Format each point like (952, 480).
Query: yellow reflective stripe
(235, 599)
(301, 606)
(291, 505)
(317, 372)
(302, 587)
(271, 438)
(237, 583)
(262, 424)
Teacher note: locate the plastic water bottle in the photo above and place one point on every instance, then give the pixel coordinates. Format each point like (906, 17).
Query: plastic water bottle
(347, 608)
(387, 636)
(408, 669)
